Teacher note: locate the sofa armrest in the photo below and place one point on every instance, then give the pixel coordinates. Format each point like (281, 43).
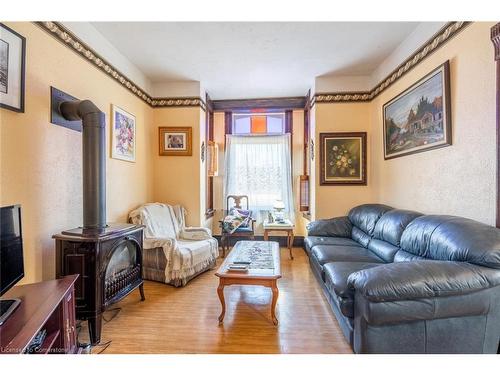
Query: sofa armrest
(335, 227)
(195, 233)
(421, 279)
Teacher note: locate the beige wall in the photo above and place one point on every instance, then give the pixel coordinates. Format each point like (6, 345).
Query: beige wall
(456, 180)
(219, 179)
(177, 179)
(41, 163)
(341, 117)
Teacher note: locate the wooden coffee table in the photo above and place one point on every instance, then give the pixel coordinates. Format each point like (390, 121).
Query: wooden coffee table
(261, 272)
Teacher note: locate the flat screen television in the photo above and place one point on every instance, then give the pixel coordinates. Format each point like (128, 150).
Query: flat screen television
(11, 256)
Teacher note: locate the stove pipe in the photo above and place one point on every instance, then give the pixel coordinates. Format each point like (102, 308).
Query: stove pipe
(94, 159)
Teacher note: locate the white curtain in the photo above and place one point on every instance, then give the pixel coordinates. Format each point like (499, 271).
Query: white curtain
(260, 167)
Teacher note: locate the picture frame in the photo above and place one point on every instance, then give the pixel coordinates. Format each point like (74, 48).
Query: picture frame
(123, 134)
(12, 69)
(343, 158)
(419, 118)
(175, 140)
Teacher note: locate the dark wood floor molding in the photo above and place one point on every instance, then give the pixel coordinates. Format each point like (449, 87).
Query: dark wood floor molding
(297, 242)
(437, 41)
(495, 38)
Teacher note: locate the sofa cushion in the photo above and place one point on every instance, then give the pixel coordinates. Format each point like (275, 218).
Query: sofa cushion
(360, 237)
(391, 225)
(365, 217)
(444, 237)
(335, 227)
(383, 249)
(336, 275)
(404, 256)
(312, 241)
(335, 253)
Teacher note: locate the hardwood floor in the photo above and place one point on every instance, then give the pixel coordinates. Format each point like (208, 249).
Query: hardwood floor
(184, 320)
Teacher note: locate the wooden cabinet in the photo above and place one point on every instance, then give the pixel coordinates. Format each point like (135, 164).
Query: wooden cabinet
(49, 306)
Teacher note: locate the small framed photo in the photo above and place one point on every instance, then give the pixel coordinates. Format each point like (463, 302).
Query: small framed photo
(175, 141)
(343, 158)
(122, 134)
(12, 67)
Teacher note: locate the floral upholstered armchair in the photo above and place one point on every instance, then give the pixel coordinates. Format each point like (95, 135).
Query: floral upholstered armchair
(173, 253)
(237, 222)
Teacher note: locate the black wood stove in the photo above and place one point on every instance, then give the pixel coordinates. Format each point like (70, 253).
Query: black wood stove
(108, 258)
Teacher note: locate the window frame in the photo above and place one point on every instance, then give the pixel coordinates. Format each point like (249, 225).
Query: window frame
(283, 114)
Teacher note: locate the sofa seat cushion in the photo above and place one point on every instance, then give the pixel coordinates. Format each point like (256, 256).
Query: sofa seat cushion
(312, 241)
(338, 253)
(336, 275)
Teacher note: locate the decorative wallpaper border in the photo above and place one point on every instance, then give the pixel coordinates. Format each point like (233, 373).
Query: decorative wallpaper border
(69, 39)
(439, 39)
(66, 37)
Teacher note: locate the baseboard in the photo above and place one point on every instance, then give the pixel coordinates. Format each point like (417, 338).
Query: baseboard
(298, 241)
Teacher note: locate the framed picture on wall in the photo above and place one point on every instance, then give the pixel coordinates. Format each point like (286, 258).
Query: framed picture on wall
(343, 158)
(12, 67)
(175, 141)
(123, 135)
(419, 119)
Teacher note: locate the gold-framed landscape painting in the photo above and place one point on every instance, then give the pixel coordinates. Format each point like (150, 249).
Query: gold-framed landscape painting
(419, 119)
(175, 141)
(343, 158)
(123, 135)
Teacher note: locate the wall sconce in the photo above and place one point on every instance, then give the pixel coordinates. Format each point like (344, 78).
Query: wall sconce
(202, 151)
(213, 158)
(304, 193)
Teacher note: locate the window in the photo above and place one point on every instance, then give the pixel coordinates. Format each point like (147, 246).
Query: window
(258, 123)
(260, 167)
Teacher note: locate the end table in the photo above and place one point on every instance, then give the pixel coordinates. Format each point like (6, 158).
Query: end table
(287, 227)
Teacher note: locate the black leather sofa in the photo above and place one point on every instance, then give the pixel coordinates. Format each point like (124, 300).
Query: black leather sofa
(402, 282)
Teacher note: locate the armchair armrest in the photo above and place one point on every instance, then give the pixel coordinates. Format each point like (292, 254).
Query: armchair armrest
(335, 227)
(195, 233)
(421, 279)
(154, 242)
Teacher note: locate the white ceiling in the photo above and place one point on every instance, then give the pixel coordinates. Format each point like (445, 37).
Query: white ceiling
(253, 60)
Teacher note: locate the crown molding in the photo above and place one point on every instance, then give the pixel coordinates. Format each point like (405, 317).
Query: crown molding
(294, 102)
(70, 40)
(66, 37)
(438, 40)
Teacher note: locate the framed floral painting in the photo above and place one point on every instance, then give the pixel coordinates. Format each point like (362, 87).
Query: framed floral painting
(343, 158)
(123, 136)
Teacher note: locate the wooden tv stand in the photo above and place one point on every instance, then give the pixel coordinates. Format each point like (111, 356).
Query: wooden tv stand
(48, 305)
